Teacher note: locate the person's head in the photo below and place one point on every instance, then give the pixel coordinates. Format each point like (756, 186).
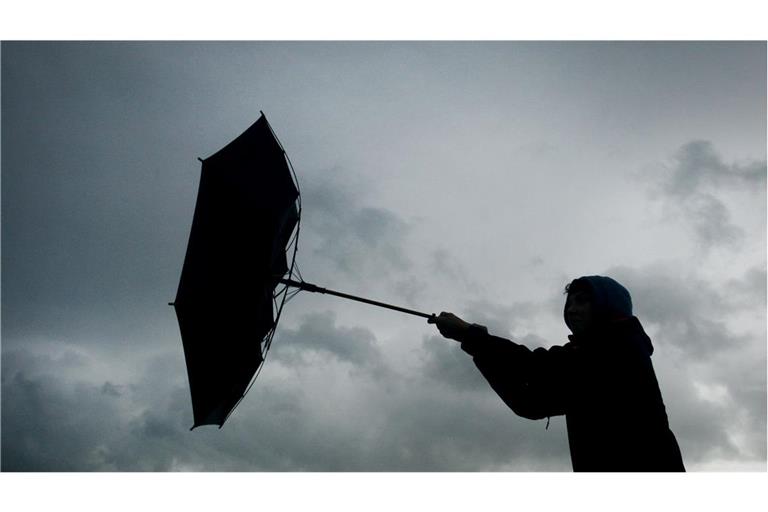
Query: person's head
(593, 301)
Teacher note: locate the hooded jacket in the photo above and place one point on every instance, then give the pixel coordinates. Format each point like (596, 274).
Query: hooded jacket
(602, 381)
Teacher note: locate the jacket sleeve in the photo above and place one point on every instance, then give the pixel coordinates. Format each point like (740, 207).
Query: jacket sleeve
(533, 383)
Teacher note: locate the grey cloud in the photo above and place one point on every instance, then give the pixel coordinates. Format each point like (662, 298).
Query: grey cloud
(411, 289)
(750, 290)
(447, 266)
(422, 425)
(740, 376)
(697, 166)
(748, 393)
(340, 233)
(502, 320)
(439, 429)
(110, 389)
(690, 312)
(690, 186)
(711, 221)
(443, 361)
(717, 408)
(701, 427)
(319, 334)
(357, 239)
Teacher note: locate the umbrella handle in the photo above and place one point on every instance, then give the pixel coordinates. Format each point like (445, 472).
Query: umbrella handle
(309, 287)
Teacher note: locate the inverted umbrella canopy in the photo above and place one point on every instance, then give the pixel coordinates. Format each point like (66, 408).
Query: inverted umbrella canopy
(238, 269)
(245, 223)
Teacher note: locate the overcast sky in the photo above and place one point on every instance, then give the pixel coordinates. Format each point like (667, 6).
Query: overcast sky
(477, 178)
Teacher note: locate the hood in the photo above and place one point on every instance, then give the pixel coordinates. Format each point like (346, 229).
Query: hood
(610, 300)
(612, 310)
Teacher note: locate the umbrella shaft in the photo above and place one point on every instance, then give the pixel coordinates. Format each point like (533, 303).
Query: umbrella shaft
(317, 289)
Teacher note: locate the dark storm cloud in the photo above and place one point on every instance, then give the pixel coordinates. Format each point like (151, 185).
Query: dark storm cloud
(410, 423)
(54, 420)
(690, 189)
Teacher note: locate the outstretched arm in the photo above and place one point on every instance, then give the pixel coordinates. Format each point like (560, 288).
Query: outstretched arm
(533, 383)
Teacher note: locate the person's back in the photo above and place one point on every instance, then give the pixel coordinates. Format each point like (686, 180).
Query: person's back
(602, 380)
(615, 415)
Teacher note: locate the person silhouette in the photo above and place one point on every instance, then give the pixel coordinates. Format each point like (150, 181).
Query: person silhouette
(602, 380)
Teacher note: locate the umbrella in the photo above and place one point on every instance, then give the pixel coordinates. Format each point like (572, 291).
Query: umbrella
(240, 269)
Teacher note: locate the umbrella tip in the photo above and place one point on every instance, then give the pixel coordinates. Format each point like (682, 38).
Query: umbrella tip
(200, 159)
